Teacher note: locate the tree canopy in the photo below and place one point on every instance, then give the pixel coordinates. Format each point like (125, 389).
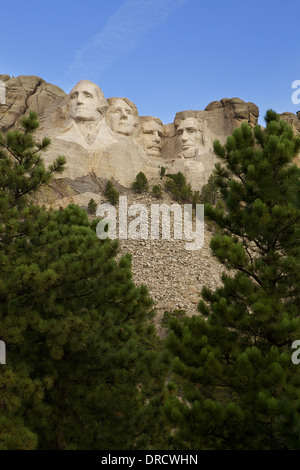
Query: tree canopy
(82, 368)
(240, 387)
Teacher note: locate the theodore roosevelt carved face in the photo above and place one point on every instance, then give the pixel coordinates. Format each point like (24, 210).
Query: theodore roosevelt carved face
(151, 136)
(122, 115)
(87, 102)
(190, 137)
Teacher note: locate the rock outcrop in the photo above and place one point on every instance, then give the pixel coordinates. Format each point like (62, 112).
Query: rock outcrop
(107, 139)
(26, 93)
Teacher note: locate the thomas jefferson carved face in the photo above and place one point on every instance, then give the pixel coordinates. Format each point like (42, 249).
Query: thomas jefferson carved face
(189, 136)
(86, 102)
(120, 116)
(151, 137)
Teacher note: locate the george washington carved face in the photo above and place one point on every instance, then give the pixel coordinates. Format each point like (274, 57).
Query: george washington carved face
(87, 102)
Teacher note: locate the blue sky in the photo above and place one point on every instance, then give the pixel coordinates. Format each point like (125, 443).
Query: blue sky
(164, 55)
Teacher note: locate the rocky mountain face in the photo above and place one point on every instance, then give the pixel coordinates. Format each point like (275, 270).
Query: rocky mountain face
(24, 94)
(106, 139)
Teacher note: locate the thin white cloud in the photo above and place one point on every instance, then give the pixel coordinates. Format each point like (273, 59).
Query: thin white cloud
(122, 33)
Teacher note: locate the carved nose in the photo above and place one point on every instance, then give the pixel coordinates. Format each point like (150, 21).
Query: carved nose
(156, 137)
(80, 98)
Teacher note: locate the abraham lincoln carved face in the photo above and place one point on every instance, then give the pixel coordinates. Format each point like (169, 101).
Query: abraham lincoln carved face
(190, 137)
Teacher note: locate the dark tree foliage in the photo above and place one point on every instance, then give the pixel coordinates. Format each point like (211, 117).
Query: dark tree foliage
(82, 367)
(111, 193)
(92, 206)
(162, 172)
(210, 192)
(239, 385)
(140, 184)
(157, 191)
(180, 190)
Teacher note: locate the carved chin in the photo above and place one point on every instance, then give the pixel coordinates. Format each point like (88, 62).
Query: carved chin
(125, 130)
(153, 151)
(82, 116)
(188, 153)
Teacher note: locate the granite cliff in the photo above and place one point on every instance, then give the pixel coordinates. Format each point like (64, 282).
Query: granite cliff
(107, 139)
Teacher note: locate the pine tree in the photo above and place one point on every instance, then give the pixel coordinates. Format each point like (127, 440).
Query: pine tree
(162, 172)
(180, 190)
(22, 173)
(240, 387)
(111, 193)
(82, 363)
(92, 206)
(141, 183)
(210, 191)
(157, 191)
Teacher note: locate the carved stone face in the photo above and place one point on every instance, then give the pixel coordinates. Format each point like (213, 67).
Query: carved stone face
(85, 102)
(120, 117)
(151, 138)
(189, 136)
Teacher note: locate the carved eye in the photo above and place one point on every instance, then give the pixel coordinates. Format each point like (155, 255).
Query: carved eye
(74, 95)
(88, 95)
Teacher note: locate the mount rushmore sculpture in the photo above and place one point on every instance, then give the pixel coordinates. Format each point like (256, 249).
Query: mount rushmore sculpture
(107, 139)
